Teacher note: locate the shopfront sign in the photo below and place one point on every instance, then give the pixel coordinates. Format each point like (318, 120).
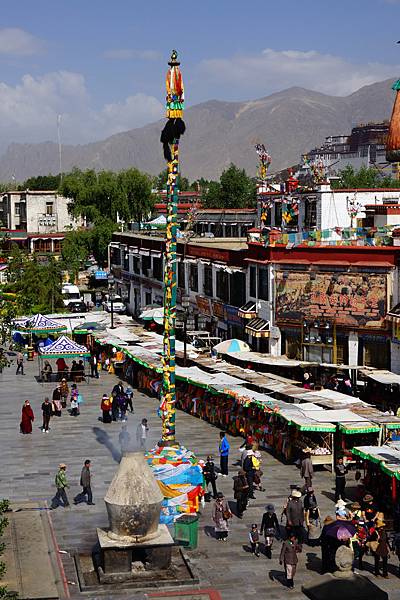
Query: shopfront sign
(218, 309)
(351, 299)
(204, 305)
(231, 315)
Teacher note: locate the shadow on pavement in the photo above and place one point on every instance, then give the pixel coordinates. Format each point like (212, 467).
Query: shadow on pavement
(103, 438)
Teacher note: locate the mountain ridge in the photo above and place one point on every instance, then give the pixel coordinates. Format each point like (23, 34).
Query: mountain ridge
(288, 122)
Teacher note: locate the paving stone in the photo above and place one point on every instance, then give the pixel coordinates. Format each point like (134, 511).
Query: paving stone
(29, 464)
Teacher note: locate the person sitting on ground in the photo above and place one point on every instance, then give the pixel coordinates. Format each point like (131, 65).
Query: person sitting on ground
(47, 371)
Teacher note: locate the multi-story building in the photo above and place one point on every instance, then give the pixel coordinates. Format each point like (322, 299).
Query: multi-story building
(36, 219)
(364, 147)
(322, 209)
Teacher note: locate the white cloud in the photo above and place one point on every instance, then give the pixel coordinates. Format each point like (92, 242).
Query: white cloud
(17, 42)
(28, 111)
(273, 70)
(131, 54)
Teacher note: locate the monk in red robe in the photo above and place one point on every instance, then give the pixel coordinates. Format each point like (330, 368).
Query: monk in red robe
(27, 418)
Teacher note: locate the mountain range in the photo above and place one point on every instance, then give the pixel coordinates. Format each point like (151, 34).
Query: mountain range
(289, 123)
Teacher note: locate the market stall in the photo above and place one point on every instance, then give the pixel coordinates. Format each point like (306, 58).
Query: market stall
(381, 388)
(382, 473)
(64, 348)
(311, 429)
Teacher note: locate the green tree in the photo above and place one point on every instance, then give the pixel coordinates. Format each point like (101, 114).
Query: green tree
(136, 189)
(160, 182)
(75, 250)
(101, 235)
(363, 178)
(4, 593)
(234, 190)
(41, 182)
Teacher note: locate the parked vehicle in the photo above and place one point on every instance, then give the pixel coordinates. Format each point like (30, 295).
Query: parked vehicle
(71, 294)
(77, 307)
(118, 305)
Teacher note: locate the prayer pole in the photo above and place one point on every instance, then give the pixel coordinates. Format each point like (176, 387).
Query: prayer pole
(170, 135)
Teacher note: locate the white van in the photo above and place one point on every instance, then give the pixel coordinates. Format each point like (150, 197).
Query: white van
(70, 294)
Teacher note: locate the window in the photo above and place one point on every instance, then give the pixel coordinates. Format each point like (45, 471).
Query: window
(253, 282)
(115, 256)
(208, 281)
(157, 268)
(49, 208)
(126, 261)
(146, 265)
(193, 277)
(17, 208)
(310, 217)
(136, 265)
(238, 289)
(263, 283)
(223, 285)
(181, 274)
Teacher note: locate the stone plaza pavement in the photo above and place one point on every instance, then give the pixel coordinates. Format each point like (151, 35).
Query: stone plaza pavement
(29, 464)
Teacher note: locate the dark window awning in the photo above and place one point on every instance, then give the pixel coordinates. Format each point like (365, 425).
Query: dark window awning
(258, 328)
(248, 310)
(394, 313)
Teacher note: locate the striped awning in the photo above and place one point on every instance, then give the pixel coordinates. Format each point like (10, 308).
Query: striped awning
(394, 313)
(248, 310)
(258, 328)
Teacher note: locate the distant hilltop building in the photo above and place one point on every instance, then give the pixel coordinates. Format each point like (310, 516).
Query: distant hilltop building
(364, 147)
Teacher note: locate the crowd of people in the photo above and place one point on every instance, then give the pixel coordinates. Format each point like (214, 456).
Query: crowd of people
(52, 408)
(358, 525)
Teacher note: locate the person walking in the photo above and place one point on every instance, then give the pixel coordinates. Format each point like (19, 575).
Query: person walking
(61, 485)
(312, 517)
(46, 412)
(379, 544)
(221, 515)
(295, 515)
(64, 390)
(85, 482)
(129, 399)
(223, 453)
(27, 418)
(210, 475)
(240, 492)
(340, 479)
(93, 361)
(254, 537)
(270, 528)
(105, 406)
(20, 363)
(248, 468)
(288, 557)
(142, 433)
(306, 468)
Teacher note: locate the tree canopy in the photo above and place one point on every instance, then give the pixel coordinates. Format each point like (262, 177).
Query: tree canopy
(234, 190)
(363, 178)
(125, 195)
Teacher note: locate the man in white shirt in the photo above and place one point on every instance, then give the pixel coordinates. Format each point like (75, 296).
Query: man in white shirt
(142, 432)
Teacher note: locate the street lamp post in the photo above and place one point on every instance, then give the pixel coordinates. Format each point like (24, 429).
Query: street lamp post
(111, 286)
(185, 301)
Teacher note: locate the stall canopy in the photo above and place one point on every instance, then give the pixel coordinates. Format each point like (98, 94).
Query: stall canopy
(258, 328)
(384, 377)
(233, 345)
(387, 457)
(41, 324)
(62, 348)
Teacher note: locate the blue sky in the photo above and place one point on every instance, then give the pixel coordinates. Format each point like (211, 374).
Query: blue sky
(101, 64)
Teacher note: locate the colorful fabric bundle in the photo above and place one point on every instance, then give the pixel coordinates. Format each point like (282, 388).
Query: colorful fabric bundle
(180, 478)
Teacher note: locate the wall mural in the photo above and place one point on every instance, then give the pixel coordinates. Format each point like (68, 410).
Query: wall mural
(352, 299)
